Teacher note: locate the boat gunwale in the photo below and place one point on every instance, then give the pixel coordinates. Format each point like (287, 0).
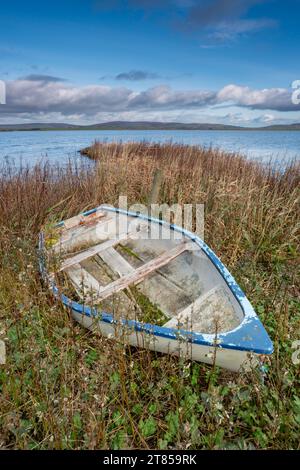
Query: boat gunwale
(249, 327)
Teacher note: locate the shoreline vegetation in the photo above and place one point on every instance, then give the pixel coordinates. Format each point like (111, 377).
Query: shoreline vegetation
(65, 388)
(144, 125)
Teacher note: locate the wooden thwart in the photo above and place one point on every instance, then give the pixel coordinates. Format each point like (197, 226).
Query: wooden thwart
(80, 230)
(116, 262)
(140, 273)
(83, 219)
(94, 250)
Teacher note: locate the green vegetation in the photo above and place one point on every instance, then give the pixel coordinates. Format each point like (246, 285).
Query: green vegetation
(128, 251)
(65, 388)
(150, 313)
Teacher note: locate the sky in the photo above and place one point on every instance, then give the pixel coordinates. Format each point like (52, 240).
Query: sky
(89, 61)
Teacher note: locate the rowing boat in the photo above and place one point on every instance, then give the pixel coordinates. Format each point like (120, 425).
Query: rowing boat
(153, 285)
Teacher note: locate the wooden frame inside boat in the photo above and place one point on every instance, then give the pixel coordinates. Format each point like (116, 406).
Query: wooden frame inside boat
(233, 345)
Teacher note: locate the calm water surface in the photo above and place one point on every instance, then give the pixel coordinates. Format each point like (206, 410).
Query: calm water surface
(31, 147)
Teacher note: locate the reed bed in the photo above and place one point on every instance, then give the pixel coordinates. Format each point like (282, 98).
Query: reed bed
(64, 388)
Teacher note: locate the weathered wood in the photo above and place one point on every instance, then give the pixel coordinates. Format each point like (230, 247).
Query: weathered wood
(94, 250)
(156, 183)
(83, 281)
(140, 273)
(2, 352)
(71, 236)
(116, 262)
(74, 232)
(83, 219)
(153, 287)
(98, 230)
(162, 287)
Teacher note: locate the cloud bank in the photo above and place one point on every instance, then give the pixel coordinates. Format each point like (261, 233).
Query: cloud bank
(31, 95)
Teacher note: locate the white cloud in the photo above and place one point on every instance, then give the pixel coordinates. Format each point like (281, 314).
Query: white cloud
(267, 98)
(268, 118)
(53, 96)
(164, 97)
(28, 98)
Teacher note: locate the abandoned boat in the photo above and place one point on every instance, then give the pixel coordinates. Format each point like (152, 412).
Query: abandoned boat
(151, 284)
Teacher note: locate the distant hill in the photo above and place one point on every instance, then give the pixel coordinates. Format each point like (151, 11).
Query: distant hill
(142, 125)
(283, 127)
(152, 125)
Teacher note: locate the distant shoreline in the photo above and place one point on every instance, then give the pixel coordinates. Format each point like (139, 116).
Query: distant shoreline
(142, 126)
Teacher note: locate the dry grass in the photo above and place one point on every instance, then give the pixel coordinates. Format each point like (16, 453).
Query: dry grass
(65, 388)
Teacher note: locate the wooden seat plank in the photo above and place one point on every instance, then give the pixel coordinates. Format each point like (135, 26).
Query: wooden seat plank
(140, 273)
(153, 287)
(116, 262)
(73, 234)
(94, 250)
(135, 230)
(83, 219)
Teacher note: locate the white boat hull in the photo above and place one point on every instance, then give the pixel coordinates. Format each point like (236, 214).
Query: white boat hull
(230, 359)
(208, 318)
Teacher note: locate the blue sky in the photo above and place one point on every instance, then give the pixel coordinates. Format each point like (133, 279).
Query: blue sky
(227, 61)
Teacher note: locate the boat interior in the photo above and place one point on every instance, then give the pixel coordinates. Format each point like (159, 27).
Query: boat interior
(137, 269)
